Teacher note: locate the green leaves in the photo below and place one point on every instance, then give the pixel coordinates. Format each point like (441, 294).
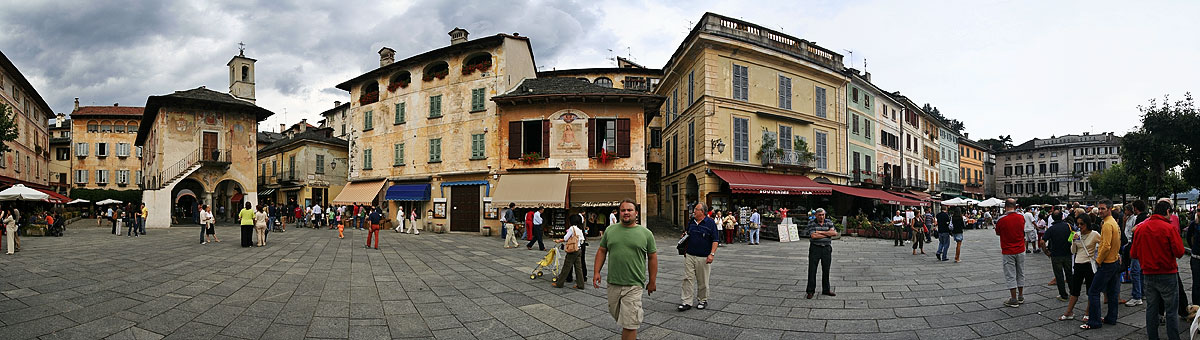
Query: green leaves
(8, 128)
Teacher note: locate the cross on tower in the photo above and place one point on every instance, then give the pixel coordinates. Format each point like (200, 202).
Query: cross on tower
(241, 49)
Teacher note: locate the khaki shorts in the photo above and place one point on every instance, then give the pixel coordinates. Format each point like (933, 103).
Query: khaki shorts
(625, 305)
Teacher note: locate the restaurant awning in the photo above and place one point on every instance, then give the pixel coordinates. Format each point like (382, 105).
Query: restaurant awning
(775, 184)
(408, 192)
(923, 202)
(359, 192)
(532, 190)
(883, 196)
(55, 197)
(600, 192)
(237, 197)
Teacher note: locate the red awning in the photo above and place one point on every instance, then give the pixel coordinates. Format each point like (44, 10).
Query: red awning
(883, 196)
(923, 201)
(774, 184)
(55, 197)
(237, 197)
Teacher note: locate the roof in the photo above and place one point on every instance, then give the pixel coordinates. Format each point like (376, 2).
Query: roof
(555, 87)
(335, 109)
(595, 70)
(197, 97)
(311, 135)
(10, 68)
(736, 29)
(1026, 146)
(436, 54)
(268, 137)
(974, 144)
(108, 111)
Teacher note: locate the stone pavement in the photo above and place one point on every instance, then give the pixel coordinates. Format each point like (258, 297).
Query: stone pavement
(310, 284)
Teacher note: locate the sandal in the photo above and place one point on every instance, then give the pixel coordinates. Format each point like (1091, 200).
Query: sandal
(1066, 317)
(1086, 327)
(1084, 319)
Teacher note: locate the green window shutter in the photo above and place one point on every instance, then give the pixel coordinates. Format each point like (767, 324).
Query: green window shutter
(435, 150)
(367, 124)
(477, 100)
(398, 154)
(367, 159)
(399, 113)
(435, 106)
(477, 146)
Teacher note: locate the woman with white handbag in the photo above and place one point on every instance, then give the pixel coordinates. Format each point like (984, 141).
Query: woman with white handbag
(1083, 248)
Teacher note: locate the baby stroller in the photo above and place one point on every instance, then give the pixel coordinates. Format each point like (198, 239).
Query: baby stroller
(55, 230)
(553, 261)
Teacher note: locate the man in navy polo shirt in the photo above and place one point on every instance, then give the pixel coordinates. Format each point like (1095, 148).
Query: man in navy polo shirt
(697, 262)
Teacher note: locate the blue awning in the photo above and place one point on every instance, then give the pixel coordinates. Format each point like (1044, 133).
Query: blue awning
(450, 184)
(408, 192)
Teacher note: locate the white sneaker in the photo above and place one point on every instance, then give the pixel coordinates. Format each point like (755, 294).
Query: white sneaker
(1133, 302)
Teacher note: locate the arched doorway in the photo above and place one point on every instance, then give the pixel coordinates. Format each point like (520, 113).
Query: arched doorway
(228, 199)
(186, 198)
(691, 193)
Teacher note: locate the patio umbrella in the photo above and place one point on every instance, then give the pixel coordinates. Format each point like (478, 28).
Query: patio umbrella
(969, 201)
(991, 202)
(20, 192)
(954, 202)
(79, 200)
(108, 201)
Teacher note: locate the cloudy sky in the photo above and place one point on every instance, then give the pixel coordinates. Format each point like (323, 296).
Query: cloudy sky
(1025, 68)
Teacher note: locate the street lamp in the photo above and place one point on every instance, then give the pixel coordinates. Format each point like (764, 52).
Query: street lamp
(719, 145)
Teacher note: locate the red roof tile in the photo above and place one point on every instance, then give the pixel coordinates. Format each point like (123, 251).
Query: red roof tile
(109, 110)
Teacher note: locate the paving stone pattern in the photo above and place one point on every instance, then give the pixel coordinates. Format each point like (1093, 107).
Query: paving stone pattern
(310, 284)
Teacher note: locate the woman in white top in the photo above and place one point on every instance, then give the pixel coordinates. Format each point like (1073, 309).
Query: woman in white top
(1083, 247)
(206, 221)
(260, 225)
(573, 260)
(720, 219)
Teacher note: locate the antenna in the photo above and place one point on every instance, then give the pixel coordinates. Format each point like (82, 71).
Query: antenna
(851, 57)
(241, 49)
(864, 64)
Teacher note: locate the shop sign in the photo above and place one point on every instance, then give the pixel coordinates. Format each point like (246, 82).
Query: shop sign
(598, 204)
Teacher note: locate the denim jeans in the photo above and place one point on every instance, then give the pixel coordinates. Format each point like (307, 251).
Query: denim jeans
(1135, 279)
(1162, 295)
(754, 234)
(1195, 264)
(1107, 282)
(943, 244)
(142, 225)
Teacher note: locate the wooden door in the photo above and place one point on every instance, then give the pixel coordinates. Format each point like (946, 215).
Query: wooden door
(209, 147)
(464, 208)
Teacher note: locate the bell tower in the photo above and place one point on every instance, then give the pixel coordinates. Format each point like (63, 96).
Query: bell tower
(241, 75)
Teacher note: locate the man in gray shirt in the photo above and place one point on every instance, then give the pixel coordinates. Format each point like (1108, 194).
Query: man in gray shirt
(819, 231)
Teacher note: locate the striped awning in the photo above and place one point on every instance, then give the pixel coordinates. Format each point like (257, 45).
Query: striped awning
(266, 192)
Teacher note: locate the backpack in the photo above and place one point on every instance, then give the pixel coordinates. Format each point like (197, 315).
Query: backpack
(573, 242)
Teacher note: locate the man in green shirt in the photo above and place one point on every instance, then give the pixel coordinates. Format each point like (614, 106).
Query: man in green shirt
(633, 250)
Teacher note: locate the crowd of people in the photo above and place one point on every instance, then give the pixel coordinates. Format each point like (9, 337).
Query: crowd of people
(257, 222)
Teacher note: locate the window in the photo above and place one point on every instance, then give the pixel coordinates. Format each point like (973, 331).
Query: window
(93, 128)
(1041, 168)
(1043, 187)
(867, 129)
(1053, 168)
(477, 147)
(1078, 167)
(606, 136)
(62, 154)
(820, 102)
(122, 177)
(435, 106)
(854, 123)
(1054, 187)
(1030, 188)
(122, 149)
(139, 152)
(691, 87)
(741, 82)
(819, 138)
(785, 93)
(1029, 169)
(274, 168)
(478, 100)
(1017, 188)
(1020, 170)
(1008, 188)
(1101, 165)
(367, 159)
(435, 150)
(400, 107)
(603, 81)
(866, 101)
(667, 156)
(106, 128)
(292, 167)
(667, 111)
(854, 90)
(529, 136)
(741, 139)
(656, 138)
(101, 176)
(119, 128)
(131, 128)
(691, 142)
(81, 176)
(102, 149)
(81, 149)
(785, 138)
(398, 154)
(674, 156)
(368, 121)
(320, 165)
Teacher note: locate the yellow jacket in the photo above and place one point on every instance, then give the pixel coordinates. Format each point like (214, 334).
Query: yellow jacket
(1110, 241)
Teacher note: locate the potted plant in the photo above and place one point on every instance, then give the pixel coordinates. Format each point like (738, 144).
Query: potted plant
(368, 98)
(397, 84)
(801, 148)
(531, 157)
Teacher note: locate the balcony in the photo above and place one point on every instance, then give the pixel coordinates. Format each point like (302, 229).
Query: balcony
(950, 187)
(266, 179)
(215, 157)
(914, 183)
(974, 184)
(788, 158)
(865, 177)
(287, 176)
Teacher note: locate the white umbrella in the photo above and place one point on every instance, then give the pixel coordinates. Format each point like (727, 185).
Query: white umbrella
(20, 192)
(108, 201)
(991, 202)
(79, 200)
(954, 202)
(971, 201)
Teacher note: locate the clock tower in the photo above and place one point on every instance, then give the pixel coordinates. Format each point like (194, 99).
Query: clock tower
(241, 76)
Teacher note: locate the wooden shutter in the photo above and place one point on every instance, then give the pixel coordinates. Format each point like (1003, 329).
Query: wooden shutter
(593, 140)
(514, 140)
(782, 100)
(737, 84)
(788, 99)
(623, 137)
(545, 138)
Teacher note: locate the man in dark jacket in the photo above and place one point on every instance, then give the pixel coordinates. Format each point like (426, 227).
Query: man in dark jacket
(1057, 245)
(820, 252)
(943, 232)
(697, 261)
(1156, 245)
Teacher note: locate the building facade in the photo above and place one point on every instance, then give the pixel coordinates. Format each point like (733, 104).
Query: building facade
(336, 119)
(105, 158)
(744, 101)
(307, 166)
(914, 157)
(60, 154)
(971, 158)
(199, 147)
(426, 122)
(861, 105)
(885, 130)
(1057, 167)
(949, 168)
(28, 158)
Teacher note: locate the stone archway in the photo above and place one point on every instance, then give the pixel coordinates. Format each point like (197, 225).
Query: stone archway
(228, 197)
(186, 198)
(691, 190)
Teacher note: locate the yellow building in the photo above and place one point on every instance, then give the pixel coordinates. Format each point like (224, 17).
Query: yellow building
(424, 125)
(741, 102)
(105, 158)
(60, 154)
(970, 160)
(307, 166)
(199, 147)
(28, 157)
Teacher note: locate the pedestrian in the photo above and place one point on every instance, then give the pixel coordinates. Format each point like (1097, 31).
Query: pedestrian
(260, 225)
(341, 224)
(10, 230)
(755, 226)
(612, 217)
(916, 232)
(572, 245)
(1135, 266)
(1011, 229)
(1030, 228)
(943, 230)
(537, 230)
(1056, 244)
(702, 241)
(413, 217)
(820, 252)
(108, 215)
(210, 222)
(131, 221)
(900, 225)
(730, 222)
(247, 221)
(1083, 252)
(400, 216)
(957, 225)
(1156, 244)
(716, 217)
(142, 218)
(374, 217)
(930, 224)
(1105, 280)
(1193, 236)
(634, 265)
(412, 225)
(580, 221)
(509, 219)
(317, 216)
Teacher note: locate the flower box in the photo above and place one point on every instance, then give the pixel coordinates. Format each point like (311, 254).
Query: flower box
(368, 98)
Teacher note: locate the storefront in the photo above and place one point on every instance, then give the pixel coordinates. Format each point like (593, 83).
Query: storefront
(410, 196)
(770, 194)
(531, 191)
(363, 192)
(597, 199)
(875, 204)
(465, 208)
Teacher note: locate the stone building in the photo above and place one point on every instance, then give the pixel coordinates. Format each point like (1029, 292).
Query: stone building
(887, 171)
(424, 128)
(199, 147)
(861, 104)
(60, 154)
(307, 166)
(972, 156)
(1057, 166)
(29, 157)
(919, 158)
(335, 119)
(105, 158)
(948, 161)
(740, 100)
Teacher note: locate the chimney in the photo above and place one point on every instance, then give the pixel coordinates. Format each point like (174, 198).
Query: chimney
(116, 104)
(76, 104)
(386, 56)
(282, 127)
(303, 124)
(60, 119)
(458, 35)
(867, 76)
(965, 135)
(337, 103)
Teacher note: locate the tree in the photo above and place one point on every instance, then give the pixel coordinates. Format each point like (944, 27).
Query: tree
(8, 128)
(1111, 182)
(1160, 150)
(997, 144)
